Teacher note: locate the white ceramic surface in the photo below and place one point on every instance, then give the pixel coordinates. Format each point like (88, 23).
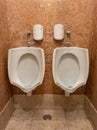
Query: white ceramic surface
(70, 67)
(58, 31)
(38, 32)
(26, 67)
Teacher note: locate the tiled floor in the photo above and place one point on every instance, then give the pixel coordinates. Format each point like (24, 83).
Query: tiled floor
(61, 120)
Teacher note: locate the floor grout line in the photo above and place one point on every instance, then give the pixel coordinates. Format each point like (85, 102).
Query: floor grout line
(63, 122)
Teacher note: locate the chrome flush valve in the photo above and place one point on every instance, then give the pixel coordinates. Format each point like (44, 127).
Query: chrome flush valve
(29, 33)
(68, 34)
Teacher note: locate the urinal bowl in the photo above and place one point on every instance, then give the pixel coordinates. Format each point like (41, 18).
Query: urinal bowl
(26, 67)
(70, 67)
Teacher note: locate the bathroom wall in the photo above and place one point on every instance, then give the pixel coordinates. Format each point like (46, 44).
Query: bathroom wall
(5, 89)
(92, 81)
(74, 14)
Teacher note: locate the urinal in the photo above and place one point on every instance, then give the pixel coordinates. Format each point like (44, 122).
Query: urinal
(70, 67)
(26, 66)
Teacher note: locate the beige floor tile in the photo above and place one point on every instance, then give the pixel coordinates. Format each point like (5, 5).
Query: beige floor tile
(56, 114)
(77, 120)
(75, 114)
(20, 120)
(48, 125)
(82, 126)
(48, 107)
(33, 120)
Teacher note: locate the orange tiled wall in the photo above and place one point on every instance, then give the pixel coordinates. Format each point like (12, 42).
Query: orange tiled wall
(74, 14)
(5, 90)
(92, 82)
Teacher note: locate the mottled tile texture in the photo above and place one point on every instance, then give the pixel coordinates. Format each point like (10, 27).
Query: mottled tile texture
(92, 81)
(17, 17)
(91, 112)
(5, 90)
(48, 102)
(74, 14)
(6, 114)
(70, 120)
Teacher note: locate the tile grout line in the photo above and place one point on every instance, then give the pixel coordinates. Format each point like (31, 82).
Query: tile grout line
(66, 120)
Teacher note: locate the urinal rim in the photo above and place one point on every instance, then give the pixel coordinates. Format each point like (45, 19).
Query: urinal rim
(39, 82)
(68, 48)
(87, 72)
(70, 90)
(17, 48)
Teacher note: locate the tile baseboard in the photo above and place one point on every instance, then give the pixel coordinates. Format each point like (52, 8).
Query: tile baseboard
(91, 112)
(48, 102)
(6, 113)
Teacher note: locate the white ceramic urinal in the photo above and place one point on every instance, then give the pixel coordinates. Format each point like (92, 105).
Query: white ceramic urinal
(26, 66)
(70, 67)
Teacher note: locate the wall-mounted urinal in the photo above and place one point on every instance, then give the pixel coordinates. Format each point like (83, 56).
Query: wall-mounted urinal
(26, 67)
(70, 67)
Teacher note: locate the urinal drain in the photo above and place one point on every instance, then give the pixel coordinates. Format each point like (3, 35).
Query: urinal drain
(70, 86)
(47, 117)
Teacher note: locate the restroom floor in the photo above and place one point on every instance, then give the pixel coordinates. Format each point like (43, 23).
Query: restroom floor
(61, 120)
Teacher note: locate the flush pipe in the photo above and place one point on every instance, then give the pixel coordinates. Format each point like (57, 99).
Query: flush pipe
(29, 93)
(29, 34)
(68, 41)
(67, 94)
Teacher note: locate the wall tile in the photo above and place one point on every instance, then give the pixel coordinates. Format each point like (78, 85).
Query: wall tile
(5, 91)
(92, 80)
(75, 15)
